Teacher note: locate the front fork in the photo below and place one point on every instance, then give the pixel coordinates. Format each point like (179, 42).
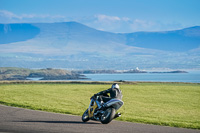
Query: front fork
(98, 103)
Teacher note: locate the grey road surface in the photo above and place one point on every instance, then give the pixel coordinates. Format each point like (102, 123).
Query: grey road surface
(19, 120)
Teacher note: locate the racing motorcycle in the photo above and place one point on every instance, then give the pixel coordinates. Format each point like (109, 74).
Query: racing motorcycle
(105, 114)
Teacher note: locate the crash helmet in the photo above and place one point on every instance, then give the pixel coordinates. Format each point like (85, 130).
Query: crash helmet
(115, 85)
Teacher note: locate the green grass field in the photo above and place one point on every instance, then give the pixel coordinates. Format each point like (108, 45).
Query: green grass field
(169, 104)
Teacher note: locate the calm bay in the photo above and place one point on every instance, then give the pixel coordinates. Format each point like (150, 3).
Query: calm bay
(193, 77)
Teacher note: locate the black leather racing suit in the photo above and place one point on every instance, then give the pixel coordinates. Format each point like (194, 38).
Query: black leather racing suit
(114, 93)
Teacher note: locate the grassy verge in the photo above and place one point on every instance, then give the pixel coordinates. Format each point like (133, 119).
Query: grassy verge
(169, 104)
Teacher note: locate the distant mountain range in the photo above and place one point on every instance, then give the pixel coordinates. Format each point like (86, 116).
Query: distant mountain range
(75, 46)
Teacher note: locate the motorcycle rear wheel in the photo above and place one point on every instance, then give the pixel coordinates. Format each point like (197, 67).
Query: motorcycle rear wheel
(108, 115)
(85, 116)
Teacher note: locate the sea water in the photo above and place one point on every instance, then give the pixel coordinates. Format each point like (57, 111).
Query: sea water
(193, 77)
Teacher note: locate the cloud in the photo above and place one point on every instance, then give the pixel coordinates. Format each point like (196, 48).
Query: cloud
(9, 17)
(105, 22)
(109, 23)
(126, 24)
(7, 14)
(122, 24)
(102, 17)
(119, 24)
(99, 21)
(139, 24)
(126, 19)
(144, 25)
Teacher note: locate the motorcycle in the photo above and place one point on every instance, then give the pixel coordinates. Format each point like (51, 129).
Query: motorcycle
(105, 114)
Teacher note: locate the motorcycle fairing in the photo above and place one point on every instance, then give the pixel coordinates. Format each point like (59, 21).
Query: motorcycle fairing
(92, 108)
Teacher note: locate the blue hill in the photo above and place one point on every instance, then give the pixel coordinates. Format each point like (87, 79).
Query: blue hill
(179, 40)
(17, 32)
(74, 45)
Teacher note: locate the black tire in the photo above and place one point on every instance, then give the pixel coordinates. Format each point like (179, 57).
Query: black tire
(85, 116)
(108, 115)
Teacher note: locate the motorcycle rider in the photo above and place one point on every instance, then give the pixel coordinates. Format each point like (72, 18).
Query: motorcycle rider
(115, 93)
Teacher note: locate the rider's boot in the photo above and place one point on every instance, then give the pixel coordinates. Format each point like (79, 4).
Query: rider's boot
(117, 115)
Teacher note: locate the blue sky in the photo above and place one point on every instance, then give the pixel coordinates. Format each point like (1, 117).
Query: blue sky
(107, 15)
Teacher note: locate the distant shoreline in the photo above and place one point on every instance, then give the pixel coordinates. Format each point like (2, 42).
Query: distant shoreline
(171, 72)
(12, 73)
(124, 71)
(85, 82)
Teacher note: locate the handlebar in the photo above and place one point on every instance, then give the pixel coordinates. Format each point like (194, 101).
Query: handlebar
(94, 97)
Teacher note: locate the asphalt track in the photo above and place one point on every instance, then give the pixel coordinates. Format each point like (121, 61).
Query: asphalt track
(19, 120)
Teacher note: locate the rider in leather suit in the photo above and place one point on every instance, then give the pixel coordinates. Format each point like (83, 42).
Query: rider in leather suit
(115, 93)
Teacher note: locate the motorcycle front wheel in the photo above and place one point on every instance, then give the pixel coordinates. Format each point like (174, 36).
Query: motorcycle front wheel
(85, 116)
(108, 115)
